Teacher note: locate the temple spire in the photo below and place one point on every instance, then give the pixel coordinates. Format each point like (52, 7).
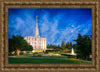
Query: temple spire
(36, 19)
(37, 31)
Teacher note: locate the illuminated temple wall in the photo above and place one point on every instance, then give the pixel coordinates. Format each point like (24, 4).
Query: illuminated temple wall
(38, 44)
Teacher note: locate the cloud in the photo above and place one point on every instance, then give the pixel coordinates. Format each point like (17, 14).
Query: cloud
(55, 27)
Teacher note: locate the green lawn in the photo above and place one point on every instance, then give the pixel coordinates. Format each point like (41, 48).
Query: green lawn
(45, 61)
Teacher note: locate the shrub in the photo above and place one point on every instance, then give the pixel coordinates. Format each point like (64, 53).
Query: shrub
(38, 54)
(21, 53)
(35, 54)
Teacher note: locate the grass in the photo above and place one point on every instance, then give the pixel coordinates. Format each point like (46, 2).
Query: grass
(45, 61)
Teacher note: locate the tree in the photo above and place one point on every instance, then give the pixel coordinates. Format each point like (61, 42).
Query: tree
(75, 47)
(11, 46)
(63, 45)
(79, 46)
(83, 46)
(58, 45)
(17, 43)
(67, 45)
(70, 44)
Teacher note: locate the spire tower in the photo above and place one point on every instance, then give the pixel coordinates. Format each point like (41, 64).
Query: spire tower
(37, 30)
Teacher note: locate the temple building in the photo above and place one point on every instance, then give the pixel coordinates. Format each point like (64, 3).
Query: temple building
(38, 43)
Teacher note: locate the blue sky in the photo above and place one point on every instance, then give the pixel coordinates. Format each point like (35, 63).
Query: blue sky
(56, 25)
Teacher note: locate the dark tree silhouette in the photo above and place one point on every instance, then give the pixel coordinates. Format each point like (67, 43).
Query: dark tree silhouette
(17, 43)
(83, 46)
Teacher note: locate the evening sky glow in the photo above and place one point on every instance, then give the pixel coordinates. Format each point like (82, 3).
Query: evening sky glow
(56, 25)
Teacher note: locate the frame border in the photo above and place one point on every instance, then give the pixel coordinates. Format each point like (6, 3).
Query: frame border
(40, 4)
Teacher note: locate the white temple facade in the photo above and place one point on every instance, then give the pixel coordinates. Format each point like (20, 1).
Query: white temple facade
(38, 43)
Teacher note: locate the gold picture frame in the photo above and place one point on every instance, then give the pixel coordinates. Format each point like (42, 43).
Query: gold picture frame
(6, 4)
